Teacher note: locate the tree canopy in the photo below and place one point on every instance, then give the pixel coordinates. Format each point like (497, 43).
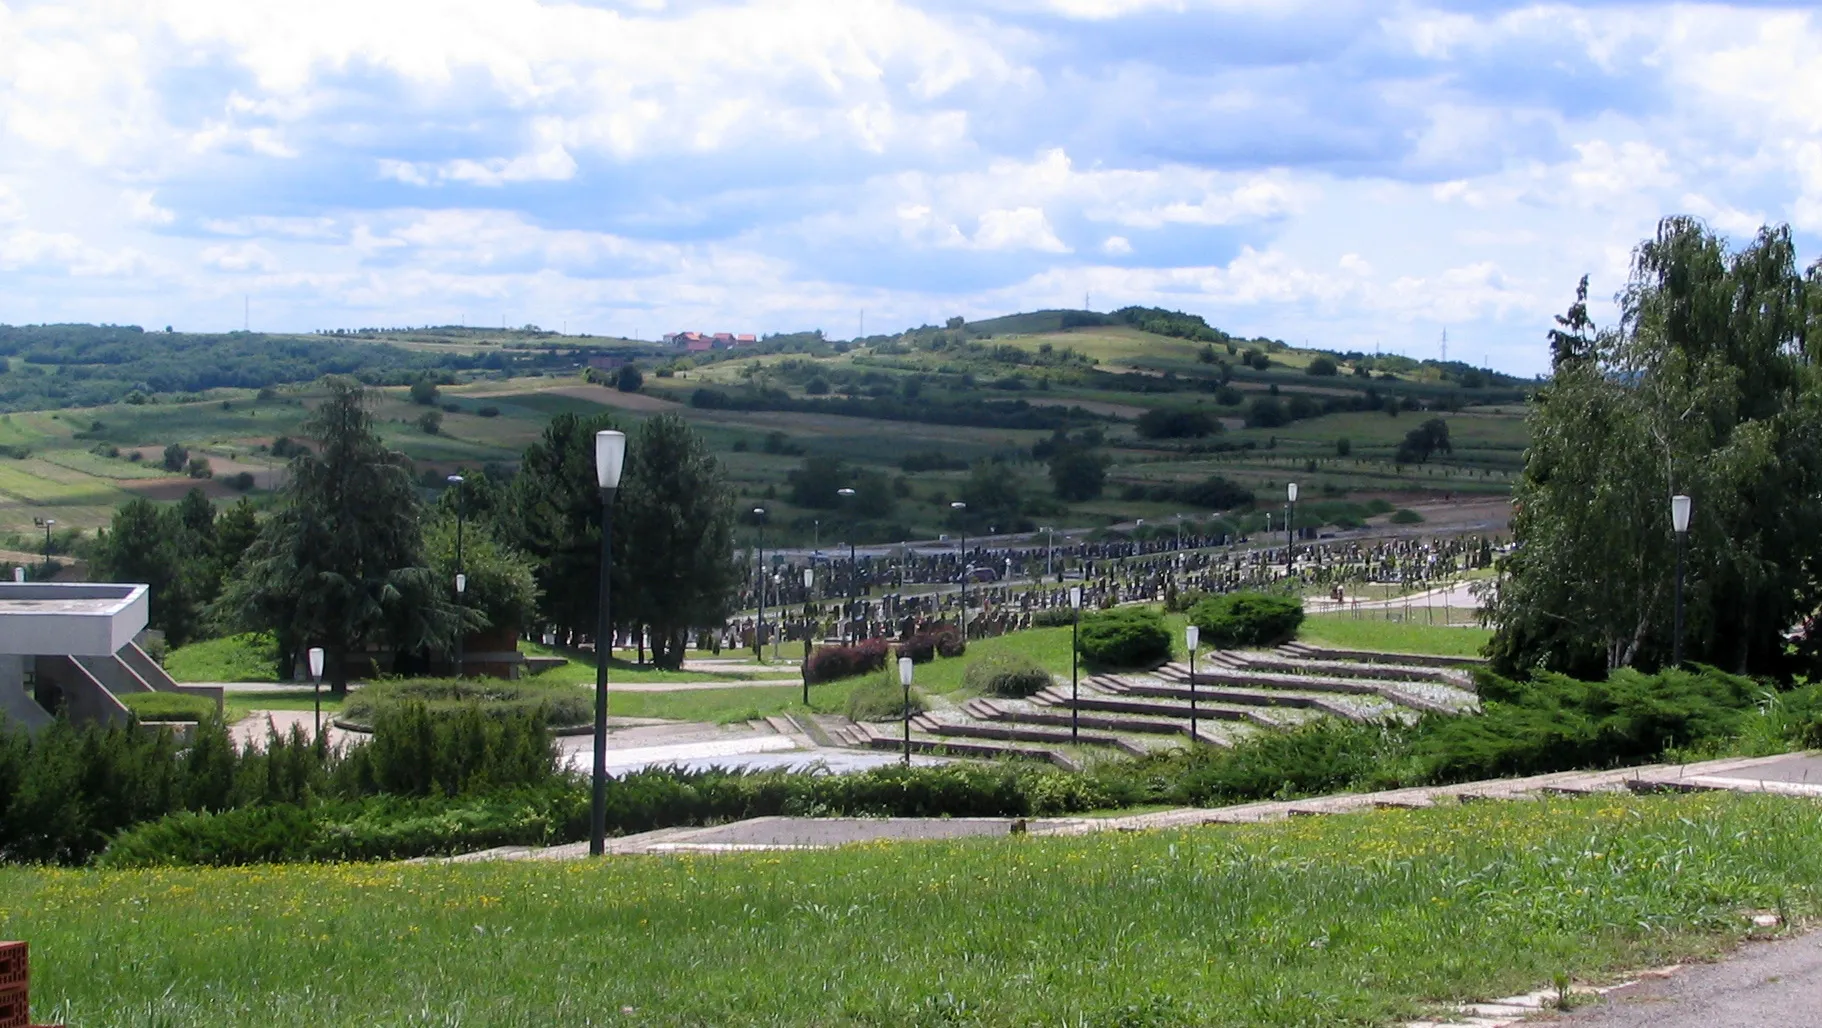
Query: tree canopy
(342, 562)
(1708, 386)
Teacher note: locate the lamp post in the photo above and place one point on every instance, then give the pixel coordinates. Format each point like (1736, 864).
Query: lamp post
(759, 630)
(610, 459)
(461, 579)
(904, 679)
(48, 524)
(778, 594)
(1193, 636)
(316, 675)
(1290, 519)
(1679, 520)
(1075, 638)
(809, 583)
(848, 633)
(958, 505)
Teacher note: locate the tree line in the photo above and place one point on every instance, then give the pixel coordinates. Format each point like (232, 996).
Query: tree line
(354, 558)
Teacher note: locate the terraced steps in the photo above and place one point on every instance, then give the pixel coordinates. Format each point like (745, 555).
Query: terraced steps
(1255, 661)
(891, 737)
(989, 710)
(1421, 696)
(989, 728)
(1211, 710)
(1250, 701)
(1305, 651)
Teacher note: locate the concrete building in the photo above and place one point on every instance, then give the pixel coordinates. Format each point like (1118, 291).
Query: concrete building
(68, 647)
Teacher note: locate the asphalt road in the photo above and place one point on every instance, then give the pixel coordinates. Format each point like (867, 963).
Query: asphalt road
(1765, 985)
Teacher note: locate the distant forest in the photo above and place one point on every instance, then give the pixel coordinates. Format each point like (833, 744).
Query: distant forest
(54, 366)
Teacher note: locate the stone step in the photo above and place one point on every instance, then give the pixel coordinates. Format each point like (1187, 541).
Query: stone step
(1162, 709)
(1315, 683)
(1309, 652)
(1007, 732)
(1241, 697)
(762, 727)
(882, 737)
(1345, 669)
(1099, 721)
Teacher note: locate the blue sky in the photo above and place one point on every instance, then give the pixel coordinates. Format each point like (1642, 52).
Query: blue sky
(1353, 174)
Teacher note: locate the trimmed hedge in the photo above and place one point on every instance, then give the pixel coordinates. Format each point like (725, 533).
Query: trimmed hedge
(1124, 637)
(561, 706)
(1247, 619)
(924, 647)
(829, 663)
(1053, 617)
(1006, 674)
(389, 828)
(167, 706)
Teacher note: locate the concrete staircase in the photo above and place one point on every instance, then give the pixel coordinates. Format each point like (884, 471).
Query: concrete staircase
(1235, 694)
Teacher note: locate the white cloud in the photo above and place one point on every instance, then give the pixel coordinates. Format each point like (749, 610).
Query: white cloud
(1021, 228)
(143, 208)
(239, 257)
(1118, 246)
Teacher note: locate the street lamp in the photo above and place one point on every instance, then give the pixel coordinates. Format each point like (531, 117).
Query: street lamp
(904, 679)
(1193, 636)
(1290, 518)
(759, 630)
(1075, 639)
(1679, 520)
(316, 675)
(778, 629)
(958, 505)
(48, 524)
(809, 583)
(848, 633)
(610, 460)
(461, 580)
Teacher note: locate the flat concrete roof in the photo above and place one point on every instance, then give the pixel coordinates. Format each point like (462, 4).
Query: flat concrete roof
(73, 618)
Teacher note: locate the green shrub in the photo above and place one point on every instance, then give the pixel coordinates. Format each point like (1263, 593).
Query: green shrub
(1006, 674)
(562, 706)
(415, 752)
(1177, 601)
(168, 706)
(830, 663)
(1124, 637)
(882, 699)
(1247, 619)
(1053, 617)
(1406, 516)
(377, 828)
(926, 646)
(67, 788)
(1553, 722)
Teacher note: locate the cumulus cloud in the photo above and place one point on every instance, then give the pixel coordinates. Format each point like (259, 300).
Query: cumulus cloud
(1294, 170)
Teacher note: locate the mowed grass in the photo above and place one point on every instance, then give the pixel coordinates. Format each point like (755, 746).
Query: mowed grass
(1357, 919)
(1347, 632)
(251, 657)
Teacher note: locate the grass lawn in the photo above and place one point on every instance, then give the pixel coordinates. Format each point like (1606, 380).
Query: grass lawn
(582, 672)
(1353, 919)
(240, 704)
(1347, 632)
(234, 658)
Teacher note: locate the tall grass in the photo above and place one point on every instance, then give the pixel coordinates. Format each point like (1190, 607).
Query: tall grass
(1359, 919)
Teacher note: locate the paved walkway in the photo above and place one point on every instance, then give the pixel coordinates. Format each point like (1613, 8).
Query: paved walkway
(1764, 985)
